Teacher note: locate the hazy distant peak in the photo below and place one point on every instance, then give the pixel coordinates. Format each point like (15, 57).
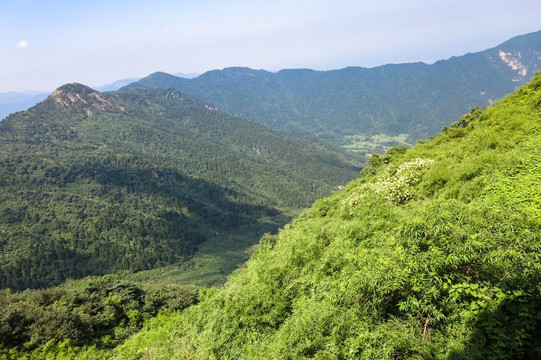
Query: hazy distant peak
(117, 84)
(161, 74)
(187, 75)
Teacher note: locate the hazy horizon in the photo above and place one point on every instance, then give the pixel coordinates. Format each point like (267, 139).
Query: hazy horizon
(49, 44)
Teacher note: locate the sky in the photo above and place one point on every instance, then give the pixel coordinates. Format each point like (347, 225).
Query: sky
(45, 44)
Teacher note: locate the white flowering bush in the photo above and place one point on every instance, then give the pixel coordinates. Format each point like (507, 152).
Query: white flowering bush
(398, 186)
(358, 196)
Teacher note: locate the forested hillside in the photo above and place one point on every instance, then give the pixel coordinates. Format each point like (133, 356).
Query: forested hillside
(366, 109)
(94, 183)
(433, 253)
(96, 312)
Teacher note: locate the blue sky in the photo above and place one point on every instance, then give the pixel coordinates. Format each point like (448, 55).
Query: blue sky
(45, 44)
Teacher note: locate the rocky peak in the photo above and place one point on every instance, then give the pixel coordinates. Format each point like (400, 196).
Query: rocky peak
(82, 96)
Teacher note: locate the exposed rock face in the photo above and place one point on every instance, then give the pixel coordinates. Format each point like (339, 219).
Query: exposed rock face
(73, 94)
(512, 59)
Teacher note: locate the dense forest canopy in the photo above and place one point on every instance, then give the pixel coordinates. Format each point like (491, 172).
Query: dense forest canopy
(94, 183)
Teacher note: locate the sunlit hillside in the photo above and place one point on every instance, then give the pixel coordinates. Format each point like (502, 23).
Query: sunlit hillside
(432, 253)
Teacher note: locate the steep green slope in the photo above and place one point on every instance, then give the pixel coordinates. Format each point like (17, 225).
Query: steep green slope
(93, 183)
(433, 253)
(349, 106)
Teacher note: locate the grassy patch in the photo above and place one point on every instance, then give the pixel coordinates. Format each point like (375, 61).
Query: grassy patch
(367, 144)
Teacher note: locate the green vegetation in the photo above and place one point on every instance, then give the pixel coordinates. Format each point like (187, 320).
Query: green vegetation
(94, 184)
(413, 99)
(433, 253)
(379, 143)
(87, 316)
(217, 257)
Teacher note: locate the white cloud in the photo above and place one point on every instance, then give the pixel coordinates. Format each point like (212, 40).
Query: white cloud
(22, 44)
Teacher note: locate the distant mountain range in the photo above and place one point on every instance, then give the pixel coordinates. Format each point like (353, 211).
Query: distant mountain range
(351, 105)
(117, 84)
(94, 183)
(361, 109)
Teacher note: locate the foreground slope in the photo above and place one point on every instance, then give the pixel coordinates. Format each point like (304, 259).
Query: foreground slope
(349, 106)
(94, 183)
(433, 253)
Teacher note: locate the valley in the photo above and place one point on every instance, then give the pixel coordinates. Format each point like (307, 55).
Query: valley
(95, 183)
(378, 213)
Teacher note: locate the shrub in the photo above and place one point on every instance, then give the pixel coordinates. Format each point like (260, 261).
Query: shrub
(398, 186)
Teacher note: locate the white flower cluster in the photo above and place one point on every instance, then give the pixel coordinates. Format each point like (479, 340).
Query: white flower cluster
(397, 187)
(358, 196)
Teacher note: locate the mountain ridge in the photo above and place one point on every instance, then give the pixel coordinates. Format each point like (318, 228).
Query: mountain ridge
(339, 105)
